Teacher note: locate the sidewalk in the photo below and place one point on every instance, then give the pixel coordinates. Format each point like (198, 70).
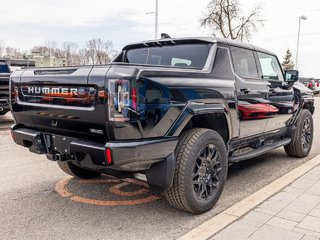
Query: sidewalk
(291, 214)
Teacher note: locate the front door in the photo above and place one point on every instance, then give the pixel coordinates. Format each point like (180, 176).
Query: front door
(252, 93)
(281, 100)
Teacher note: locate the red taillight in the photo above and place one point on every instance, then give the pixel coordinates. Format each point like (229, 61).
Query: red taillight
(318, 84)
(109, 156)
(134, 99)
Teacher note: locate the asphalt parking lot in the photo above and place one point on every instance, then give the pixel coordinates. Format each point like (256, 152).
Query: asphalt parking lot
(39, 201)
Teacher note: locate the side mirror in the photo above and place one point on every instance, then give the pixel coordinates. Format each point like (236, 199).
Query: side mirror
(291, 76)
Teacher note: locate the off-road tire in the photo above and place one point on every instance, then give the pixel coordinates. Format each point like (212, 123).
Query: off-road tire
(182, 194)
(78, 172)
(295, 148)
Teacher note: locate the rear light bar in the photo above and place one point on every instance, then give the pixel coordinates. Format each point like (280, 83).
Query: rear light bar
(122, 100)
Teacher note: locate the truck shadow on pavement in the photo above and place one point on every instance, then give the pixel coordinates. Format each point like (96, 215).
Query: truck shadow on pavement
(110, 191)
(106, 191)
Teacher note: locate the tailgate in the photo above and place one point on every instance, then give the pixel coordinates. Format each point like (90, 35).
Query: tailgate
(61, 100)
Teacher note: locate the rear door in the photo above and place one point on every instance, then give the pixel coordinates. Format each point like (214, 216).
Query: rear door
(281, 100)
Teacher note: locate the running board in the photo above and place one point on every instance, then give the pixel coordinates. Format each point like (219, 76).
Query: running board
(259, 151)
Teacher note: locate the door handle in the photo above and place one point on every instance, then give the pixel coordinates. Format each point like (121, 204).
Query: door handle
(272, 91)
(245, 90)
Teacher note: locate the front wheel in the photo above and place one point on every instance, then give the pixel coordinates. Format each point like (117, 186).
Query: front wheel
(302, 139)
(201, 171)
(78, 172)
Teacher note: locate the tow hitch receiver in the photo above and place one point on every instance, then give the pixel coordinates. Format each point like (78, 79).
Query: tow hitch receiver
(58, 157)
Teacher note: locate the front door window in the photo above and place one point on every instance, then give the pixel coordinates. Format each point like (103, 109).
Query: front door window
(270, 67)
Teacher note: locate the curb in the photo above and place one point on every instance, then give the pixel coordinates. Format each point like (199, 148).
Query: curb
(228, 216)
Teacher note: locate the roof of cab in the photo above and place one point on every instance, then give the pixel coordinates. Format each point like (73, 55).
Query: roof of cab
(168, 41)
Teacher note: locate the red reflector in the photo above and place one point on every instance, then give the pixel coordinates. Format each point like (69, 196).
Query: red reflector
(109, 156)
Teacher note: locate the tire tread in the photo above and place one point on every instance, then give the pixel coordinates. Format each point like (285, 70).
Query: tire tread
(294, 148)
(176, 195)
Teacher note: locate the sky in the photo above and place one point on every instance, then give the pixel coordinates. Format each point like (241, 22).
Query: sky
(24, 24)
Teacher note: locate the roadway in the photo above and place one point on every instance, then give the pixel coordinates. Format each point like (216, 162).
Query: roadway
(39, 201)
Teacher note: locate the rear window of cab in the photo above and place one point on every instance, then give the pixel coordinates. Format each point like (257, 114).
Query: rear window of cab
(181, 55)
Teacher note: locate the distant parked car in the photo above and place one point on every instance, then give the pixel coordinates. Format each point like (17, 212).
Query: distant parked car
(310, 84)
(4, 86)
(316, 88)
(303, 87)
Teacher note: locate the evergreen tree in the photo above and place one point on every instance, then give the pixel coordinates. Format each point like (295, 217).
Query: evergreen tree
(287, 63)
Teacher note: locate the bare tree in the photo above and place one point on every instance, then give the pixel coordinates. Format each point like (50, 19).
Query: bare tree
(84, 58)
(227, 19)
(70, 53)
(108, 48)
(95, 47)
(98, 51)
(13, 53)
(52, 47)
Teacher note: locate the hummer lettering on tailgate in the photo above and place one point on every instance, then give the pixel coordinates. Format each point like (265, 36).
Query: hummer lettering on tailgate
(55, 90)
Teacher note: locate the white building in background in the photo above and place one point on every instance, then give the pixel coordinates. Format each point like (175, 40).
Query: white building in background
(48, 61)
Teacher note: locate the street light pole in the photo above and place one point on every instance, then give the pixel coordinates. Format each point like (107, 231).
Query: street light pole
(303, 17)
(156, 13)
(156, 19)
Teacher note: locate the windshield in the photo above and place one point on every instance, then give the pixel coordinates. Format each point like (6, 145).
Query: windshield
(4, 67)
(183, 55)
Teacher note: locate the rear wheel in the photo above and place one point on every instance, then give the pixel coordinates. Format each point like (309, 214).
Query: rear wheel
(200, 173)
(4, 112)
(301, 143)
(78, 172)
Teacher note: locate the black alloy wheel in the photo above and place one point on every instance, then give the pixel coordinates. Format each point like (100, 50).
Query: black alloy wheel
(302, 138)
(306, 135)
(206, 172)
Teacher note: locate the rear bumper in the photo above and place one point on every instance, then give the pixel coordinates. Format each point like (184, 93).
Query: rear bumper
(126, 156)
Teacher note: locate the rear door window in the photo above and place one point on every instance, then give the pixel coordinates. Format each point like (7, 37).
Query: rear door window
(222, 65)
(270, 67)
(244, 62)
(182, 56)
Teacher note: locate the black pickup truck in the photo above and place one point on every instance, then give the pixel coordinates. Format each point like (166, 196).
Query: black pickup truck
(4, 87)
(177, 111)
